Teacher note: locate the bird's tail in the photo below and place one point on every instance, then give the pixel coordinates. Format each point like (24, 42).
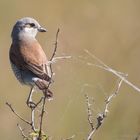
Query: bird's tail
(41, 84)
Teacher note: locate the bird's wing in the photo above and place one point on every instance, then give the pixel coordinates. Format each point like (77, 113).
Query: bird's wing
(30, 57)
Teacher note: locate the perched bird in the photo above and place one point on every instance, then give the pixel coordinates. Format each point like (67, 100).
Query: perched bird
(28, 60)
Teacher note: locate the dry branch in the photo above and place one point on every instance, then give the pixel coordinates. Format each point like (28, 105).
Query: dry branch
(22, 132)
(103, 66)
(51, 74)
(89, 112)
(13, 110)
(101, 116)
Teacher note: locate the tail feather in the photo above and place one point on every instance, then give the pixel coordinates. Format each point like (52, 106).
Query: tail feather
(41, 84)
(48, 93)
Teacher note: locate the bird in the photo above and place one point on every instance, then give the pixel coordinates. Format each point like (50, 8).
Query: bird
(28, 60)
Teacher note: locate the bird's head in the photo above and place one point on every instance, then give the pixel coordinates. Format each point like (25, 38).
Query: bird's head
(26, 27)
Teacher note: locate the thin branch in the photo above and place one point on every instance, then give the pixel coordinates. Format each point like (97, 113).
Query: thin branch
(55, 59)
(33, 119)
(13, 110)
(41, 99)
(101, 116)
(54, 53)
(108, 101)
(44, 99)
(22, 132)
(56, 42)
(107, 68)
(89, 112)
(91, 134)
(41, 120)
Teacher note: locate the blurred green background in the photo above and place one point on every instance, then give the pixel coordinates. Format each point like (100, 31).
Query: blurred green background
(109, 29)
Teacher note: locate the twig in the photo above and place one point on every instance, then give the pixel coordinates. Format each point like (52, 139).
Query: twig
(54, 53)
(89, 112)
(59, 58)
(32, 106)
(108, 101)
(22, 132)
(13, 110)
(101, 116)
(33, 119)
(56, 42)
(44, 100)
(41, 99)
(107, 68)
(41, 119)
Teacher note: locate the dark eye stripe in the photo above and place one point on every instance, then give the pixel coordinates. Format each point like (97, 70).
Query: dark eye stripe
(29, 25)
(32, 24)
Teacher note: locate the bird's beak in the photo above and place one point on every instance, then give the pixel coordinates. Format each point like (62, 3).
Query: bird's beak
(41, 29)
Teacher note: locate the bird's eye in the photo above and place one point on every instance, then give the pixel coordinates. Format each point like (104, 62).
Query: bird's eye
(32, 24)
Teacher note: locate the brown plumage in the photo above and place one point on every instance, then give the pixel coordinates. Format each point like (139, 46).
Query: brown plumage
(28, 60)
(30, 56)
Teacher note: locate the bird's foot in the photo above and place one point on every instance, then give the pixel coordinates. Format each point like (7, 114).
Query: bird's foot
(31, 104)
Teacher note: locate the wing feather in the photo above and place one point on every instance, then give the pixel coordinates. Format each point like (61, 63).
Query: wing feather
(30, 56)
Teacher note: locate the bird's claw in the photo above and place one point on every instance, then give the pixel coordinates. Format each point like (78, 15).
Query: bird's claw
(31, 104)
